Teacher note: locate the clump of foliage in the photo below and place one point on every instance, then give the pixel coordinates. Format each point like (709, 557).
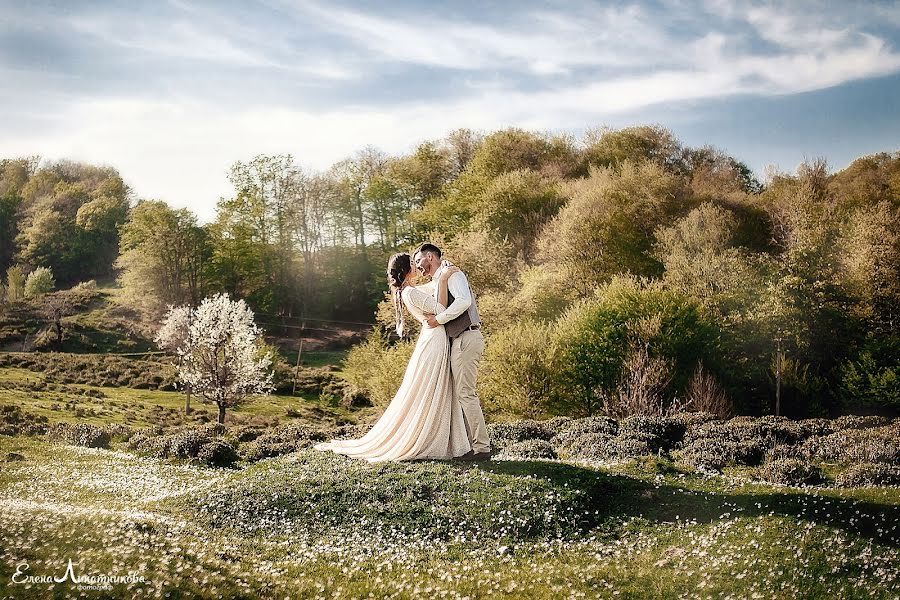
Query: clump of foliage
(80, 434)
(376, 366)
(15, 421)
(205, 443)
(532, 449)
(869, 474)
(790, 471)
(39, 282)
(873, 444)
(505, 434)
(283, 439)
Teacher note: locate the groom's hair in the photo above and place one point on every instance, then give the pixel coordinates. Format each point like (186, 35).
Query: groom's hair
(428, 247)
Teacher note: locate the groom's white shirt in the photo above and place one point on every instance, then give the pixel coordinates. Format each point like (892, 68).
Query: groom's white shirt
(462, 298)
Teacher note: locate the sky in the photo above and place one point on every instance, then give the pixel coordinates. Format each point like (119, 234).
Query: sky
(171, 92)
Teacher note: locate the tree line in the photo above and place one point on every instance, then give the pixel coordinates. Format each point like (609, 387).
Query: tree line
(621, 244)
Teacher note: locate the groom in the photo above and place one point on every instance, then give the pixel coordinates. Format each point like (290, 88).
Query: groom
(463, 326)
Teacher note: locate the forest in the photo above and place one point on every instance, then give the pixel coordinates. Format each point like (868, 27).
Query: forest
(619, 273)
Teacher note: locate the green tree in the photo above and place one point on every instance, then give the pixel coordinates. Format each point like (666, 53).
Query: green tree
(15, 283)
(39, 282)
(516, 206)
(609, 224)
(163, 257)
(9, 206)
(607, 147)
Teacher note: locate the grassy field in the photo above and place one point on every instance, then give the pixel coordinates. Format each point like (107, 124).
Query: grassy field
(308, 524)
(41, 395)
(317, 525)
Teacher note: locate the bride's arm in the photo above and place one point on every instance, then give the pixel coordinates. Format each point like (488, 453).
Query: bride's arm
(419, 303)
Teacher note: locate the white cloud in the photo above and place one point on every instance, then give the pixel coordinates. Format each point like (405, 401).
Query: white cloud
(179, 148)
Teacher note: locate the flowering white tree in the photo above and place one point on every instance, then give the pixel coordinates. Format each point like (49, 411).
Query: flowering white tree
(173, 336)
(220, 351)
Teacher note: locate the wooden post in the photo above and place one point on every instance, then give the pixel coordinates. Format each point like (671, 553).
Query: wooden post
(297, 368)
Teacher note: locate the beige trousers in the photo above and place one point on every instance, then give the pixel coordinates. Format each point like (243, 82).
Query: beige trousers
(465, 354)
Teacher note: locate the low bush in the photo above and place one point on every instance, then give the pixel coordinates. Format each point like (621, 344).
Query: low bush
(600, 447)
(869, 474)
(184, 443)
(716, 453)
(873, 445)
(283, 439)
(528, 450)
(570, 431)
(15, 421)
(79, 434)
(662, 432)
(505, 434)
(790, 471)
(218, 453)
(859, 422)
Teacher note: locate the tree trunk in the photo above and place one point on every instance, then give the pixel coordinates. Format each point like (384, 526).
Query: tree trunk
(187, 401)
(222, 413)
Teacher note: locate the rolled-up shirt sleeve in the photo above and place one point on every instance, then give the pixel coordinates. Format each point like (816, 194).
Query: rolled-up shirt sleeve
(462, 298)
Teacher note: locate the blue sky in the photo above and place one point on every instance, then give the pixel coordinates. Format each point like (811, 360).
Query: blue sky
(171, 93)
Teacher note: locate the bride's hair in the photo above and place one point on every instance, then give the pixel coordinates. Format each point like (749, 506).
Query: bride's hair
(398, 268)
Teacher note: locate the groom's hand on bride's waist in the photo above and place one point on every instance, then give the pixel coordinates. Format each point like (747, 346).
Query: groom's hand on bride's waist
(432, 321)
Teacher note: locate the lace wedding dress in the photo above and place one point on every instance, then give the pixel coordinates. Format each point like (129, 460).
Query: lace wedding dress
(423, 421)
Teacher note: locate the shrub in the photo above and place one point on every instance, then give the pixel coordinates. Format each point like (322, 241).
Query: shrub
(790, 471)
(716, 453)
(39, 282)
(574, 429)
(690, 420)
(505, 434)
(858, 422)
(874, 445)
(557, 424)
(376, 368)
(868, 384)
(15, 421)
(869, 474)
(183, 443)
(117, 431)
(528, 450)
(703, 393)
(218, 453)
(604, 447)
(591, 341)
(283, 439)
(664, 432)
(516, 376)
(80, 434)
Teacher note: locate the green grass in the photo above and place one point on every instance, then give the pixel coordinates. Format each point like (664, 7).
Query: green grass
(142, 408)
(316, 359)
(311, 523)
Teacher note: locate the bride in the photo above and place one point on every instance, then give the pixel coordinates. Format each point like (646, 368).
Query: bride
(422, 421)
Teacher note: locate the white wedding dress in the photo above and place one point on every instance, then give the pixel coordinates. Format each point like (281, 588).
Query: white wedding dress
(423, 421)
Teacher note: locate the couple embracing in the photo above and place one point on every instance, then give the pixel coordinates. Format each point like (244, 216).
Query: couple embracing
(435, 413)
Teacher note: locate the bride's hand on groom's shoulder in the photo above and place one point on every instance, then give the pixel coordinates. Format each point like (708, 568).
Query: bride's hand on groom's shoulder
(449, 270)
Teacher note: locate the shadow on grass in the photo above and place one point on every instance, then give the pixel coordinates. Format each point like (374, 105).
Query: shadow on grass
(621, 495)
